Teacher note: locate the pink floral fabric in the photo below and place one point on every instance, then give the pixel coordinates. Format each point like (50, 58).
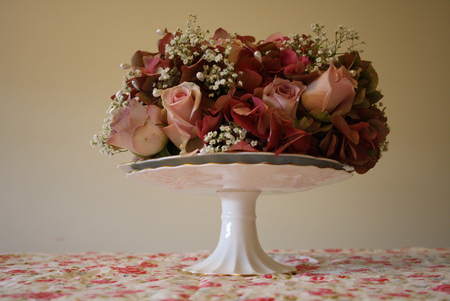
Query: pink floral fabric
(404, 274)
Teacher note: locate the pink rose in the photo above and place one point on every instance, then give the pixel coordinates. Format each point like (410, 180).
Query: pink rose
(183, 110)
(284, 94)
(138, 129)
(333, 91)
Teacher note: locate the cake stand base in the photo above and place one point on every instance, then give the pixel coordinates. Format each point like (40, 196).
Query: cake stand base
(238, 179)
(239, 251)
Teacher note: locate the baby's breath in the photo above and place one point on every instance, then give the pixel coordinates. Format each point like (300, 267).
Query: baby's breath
(188, 47)
(227, 136)
(119, 100)
(319, 49)
(210, 63)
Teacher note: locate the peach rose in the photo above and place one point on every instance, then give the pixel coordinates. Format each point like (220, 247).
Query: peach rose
(138, 129)
(183, 110)
(284, 94)
(333, 91)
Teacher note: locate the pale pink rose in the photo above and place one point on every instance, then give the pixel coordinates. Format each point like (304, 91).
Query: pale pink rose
(138, 129)
(333, 91)
(284, 94)
(183, 110)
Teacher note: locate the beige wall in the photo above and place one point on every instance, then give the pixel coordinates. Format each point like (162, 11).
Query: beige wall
(59, 64)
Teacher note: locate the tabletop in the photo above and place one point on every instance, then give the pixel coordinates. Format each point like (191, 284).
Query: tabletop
(348, 274)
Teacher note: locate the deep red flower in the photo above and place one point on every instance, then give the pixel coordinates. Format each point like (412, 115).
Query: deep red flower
(354, 144)
(250, 80)
(283, 136)
(207, 124)
(249, 112)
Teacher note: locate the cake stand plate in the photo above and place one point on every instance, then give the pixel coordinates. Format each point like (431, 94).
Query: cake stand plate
(238, 179)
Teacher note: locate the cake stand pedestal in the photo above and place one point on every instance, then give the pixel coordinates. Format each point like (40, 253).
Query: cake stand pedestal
(238, 179)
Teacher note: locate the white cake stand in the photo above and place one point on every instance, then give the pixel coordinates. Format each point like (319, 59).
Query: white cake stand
(238, 179)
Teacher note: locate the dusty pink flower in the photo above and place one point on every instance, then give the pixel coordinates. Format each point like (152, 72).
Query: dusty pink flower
(333, 91)
(183, 110)
(277, 36)
(284, 94)
(138, 129)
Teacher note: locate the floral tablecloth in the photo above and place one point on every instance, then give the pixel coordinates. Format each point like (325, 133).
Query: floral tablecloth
(404, 274)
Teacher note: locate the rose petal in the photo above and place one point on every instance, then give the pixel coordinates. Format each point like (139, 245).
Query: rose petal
(332, 92)
(177, 135)
(148, 139)
(277, 36)
(208, 124)
(288, 57)
(221, 33)
(242, 146)
(339, 122)
(250, 80)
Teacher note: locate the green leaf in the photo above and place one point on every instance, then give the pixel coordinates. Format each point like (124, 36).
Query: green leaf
(374, 96)
(169, 150)
(321, 116)
(365, 104)
(373, 83)
(303, 123)
(360, 97)
(374, 154)
(325, 128)
(315, 126)
(163, 153)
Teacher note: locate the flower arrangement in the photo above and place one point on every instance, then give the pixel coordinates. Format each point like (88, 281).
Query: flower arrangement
(285, 94)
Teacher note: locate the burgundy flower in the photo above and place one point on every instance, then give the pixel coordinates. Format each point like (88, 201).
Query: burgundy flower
(250, 80)
(295, 141)
(192, 86)
(250, 113)
(207, 124)
(354, 144)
